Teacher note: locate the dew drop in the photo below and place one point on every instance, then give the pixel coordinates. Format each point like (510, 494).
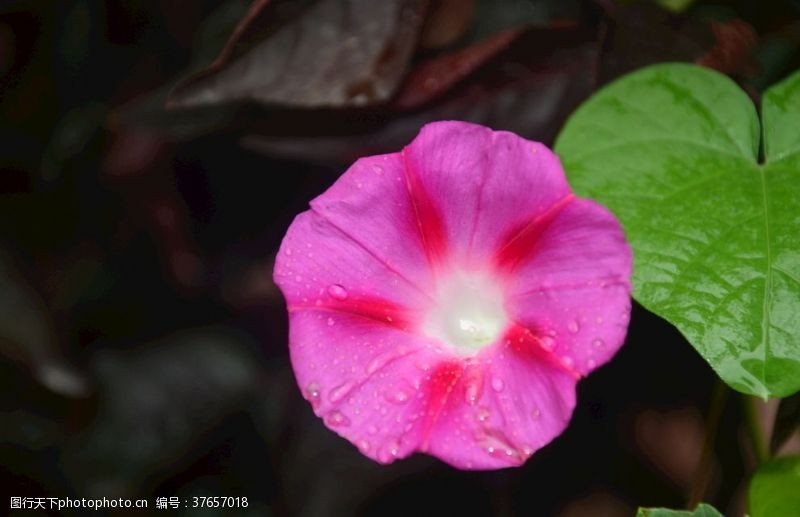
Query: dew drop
(598, 343)
(496, 443)
(372, 430)
(482, 414)
(339, 392)
(312, 394)
(591, 363)
(599, 320)
(573, 326)
(337, 291)
(536, 413)
(363, 446)
(377, 363)
(567, 361)
(547, 343)
(377, 169)
(288, 252)
(298, 278)
(498, 385)
(331, 322)
(473, 390)
(400, 396)
(390, 452)
(336, 419)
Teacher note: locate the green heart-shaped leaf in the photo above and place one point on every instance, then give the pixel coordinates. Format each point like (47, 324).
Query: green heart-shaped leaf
(673, 150)
(773, 490)
(702, 510)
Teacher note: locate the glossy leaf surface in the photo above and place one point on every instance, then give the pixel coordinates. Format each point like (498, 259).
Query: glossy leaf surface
(673, 150)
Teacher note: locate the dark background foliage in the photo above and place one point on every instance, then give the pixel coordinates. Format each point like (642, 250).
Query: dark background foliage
(146, 183)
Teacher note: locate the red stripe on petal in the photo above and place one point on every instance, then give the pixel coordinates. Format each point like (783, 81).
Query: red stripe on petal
(428, 217)
(442, 381)
(522, 240)
(375, 309)
(536, 346)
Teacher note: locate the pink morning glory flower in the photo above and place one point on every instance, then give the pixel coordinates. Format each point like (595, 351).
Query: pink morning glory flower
(447, 298)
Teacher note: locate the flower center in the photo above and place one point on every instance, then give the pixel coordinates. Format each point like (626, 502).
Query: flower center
(469, 312)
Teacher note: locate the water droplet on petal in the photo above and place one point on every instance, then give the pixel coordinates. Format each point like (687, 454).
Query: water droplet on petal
(547, 343)
(598, 343)
(389, 452)
(497, 444)
(336, 419)
(599, 320)
(377, 169)
(337, 291)
(288, 252)
(482, 414)
(363, 446)
(536, 413)
(567, 361)
(399, 396)
(330, 322)
(573, 326)
(312, 394)
(372, 430)
(498, 385)
(377, 363)
(339, 392)
(591, 363)
(473, 390)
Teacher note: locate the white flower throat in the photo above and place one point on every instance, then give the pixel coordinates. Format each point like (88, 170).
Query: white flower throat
(469, 312)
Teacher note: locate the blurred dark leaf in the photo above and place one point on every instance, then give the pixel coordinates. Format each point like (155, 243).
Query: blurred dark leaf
(494, 16)
(447, 22)
(702, 510)
(310, 54)
(787, 422)
(27, 337)
(526, 78)
(779, 53)
(526, 82)
(642, 34)
(156, 402)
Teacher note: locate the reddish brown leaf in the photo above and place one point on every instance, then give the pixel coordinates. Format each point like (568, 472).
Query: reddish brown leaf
(433, 77)
(732, 53)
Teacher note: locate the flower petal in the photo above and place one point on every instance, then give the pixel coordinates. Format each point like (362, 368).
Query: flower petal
(506, 406)
(372, 205)
(320, 266)
(371, 383)
(487, 185)
(572, 290)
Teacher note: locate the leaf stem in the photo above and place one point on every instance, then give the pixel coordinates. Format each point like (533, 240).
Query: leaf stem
(754, 429)
(702, 476)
